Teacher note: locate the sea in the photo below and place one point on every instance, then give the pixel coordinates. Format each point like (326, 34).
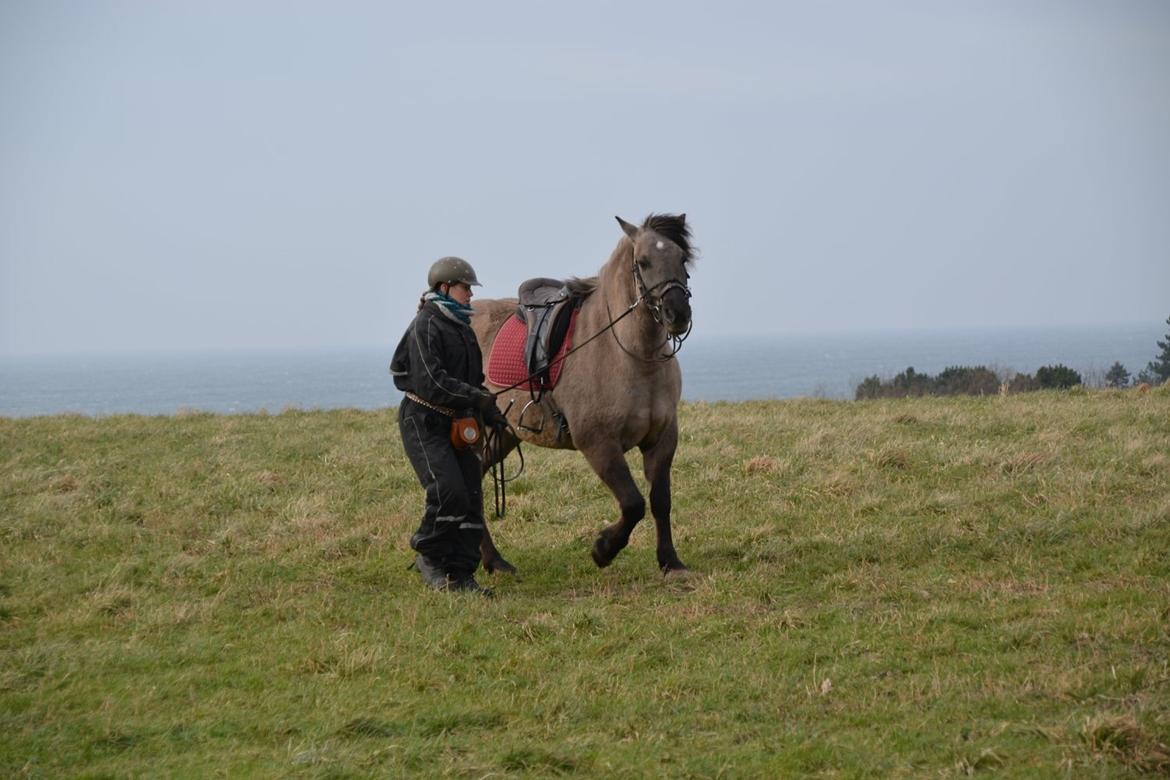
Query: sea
(715, 368)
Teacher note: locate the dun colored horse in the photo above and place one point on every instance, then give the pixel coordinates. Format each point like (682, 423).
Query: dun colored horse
(618, 391)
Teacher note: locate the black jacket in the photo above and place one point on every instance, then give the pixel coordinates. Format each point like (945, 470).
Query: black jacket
(438, 359)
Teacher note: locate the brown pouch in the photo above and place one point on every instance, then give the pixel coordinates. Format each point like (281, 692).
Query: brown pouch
(464, 432)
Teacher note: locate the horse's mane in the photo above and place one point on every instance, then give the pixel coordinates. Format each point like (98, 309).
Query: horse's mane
(674, 228)
(581, 287)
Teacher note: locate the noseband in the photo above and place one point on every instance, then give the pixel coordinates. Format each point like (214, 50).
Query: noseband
(653, 295)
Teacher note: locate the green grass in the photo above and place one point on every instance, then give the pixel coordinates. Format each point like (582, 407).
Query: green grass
(892, 588)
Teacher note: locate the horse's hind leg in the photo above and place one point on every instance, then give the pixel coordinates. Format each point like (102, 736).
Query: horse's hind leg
(610, 465)
(657, 460)
(491, 558)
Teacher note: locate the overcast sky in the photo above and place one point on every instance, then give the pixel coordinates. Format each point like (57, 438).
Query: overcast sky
(281, 174)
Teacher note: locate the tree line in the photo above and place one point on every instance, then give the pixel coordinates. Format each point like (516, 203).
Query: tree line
(980, 380)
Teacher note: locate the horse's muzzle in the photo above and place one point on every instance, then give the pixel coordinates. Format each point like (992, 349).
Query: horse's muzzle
(676, 311)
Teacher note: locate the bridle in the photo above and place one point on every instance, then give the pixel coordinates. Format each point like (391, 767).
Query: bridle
(652, 297)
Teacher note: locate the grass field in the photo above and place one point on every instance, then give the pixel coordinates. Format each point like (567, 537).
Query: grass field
(925, 587)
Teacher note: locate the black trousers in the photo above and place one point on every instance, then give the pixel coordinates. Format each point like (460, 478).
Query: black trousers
(452, 524)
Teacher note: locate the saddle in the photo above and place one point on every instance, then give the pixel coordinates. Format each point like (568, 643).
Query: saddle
(545, 306)
(543, 325)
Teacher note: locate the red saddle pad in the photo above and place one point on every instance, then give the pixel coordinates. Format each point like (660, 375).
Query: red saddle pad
(506, 363)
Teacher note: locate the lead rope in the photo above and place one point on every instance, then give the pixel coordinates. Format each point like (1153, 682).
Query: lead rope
(494, 446)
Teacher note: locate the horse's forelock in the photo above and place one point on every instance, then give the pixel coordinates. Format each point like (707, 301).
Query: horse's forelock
(675, 228)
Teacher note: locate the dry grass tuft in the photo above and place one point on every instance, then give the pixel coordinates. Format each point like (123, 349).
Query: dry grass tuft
(816, 443)
(891, 458)
(64, 484)
(270, 479)
(760, 464)
(987, 759)
(112, 600)
(1022, 462)
(343, 661)
(837, 483)
(1122, 738)
(1158, 462)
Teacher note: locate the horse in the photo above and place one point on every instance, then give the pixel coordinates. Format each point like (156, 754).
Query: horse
(619, 388)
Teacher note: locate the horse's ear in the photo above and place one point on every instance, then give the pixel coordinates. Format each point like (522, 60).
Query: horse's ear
(629, 229)
(682, 217)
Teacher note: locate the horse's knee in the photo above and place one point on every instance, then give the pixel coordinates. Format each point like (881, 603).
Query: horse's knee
(633, 509)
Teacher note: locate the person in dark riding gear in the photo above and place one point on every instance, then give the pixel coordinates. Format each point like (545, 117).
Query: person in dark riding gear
(439, 367)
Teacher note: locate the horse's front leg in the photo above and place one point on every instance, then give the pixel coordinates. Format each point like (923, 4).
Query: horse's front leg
(657, 460)
(610, 464)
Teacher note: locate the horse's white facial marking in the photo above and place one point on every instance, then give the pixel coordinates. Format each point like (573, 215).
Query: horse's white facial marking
(660, 245)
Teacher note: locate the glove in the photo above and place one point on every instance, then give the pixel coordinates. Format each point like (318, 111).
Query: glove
(494, 418)
(485, 402)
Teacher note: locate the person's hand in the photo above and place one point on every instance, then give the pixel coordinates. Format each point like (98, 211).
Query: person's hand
(485, 402)
(494, 418)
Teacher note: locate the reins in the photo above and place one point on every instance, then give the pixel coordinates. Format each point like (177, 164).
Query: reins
(676, 342)
(494, 447)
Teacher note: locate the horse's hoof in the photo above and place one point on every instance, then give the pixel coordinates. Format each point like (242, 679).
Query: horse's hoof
(676, 573)
(498, 565)
(601, 554)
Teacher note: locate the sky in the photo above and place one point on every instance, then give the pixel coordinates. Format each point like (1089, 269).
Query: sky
(212, 175)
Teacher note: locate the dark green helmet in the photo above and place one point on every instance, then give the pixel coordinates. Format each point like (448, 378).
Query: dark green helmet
(446, 270)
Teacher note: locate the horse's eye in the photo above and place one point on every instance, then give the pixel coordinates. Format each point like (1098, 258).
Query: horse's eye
(644, 261)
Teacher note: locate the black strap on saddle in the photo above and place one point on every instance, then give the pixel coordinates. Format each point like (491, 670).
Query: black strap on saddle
(546, 307)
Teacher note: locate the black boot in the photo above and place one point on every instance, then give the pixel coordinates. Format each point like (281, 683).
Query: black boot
(467, 584)
(432, 573)
(437, 579)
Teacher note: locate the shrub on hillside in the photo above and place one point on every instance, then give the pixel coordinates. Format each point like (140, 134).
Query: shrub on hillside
(869, 389)
(912, 383)
(1117, 376)
(1158, 370)
(1023, 383)
(956, 380)
(962, 380)
(1058, 377)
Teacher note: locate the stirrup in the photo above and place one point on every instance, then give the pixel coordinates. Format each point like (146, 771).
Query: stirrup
(528, 428)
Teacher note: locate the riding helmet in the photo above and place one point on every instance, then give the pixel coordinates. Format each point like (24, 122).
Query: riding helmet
(447, 270)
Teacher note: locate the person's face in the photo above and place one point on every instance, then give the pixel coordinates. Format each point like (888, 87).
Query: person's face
(460, 292)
